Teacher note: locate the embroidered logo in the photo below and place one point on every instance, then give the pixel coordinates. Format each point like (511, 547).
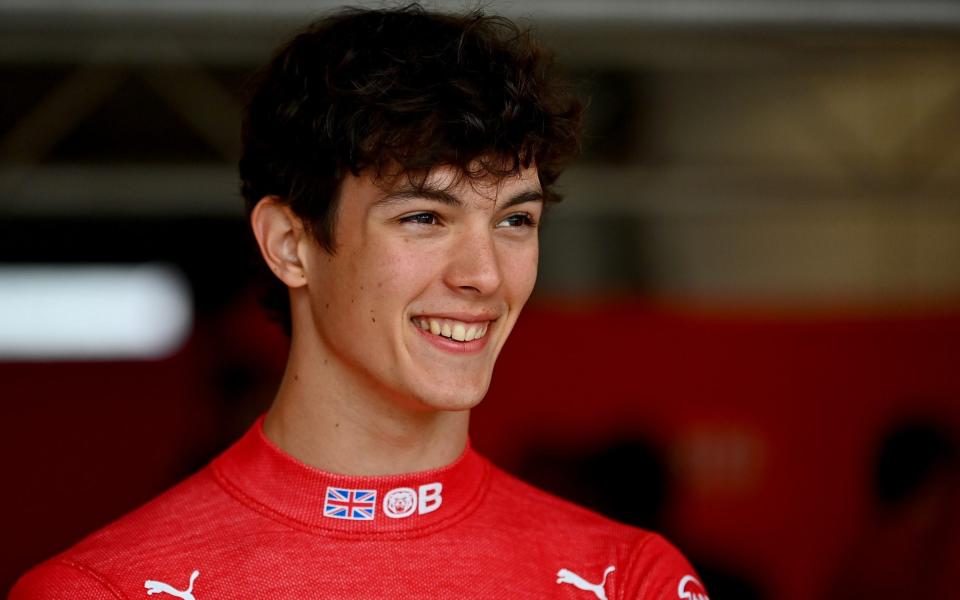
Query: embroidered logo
(691, 589)
(159, 587)
(399, 503)
(567, 576)
(355, 505)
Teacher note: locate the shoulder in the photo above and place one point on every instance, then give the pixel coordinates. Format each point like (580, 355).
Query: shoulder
(655, 569)
(62, 578)
(99, 565)
(640, 563)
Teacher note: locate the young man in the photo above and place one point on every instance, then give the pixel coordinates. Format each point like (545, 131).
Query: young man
(396, 165)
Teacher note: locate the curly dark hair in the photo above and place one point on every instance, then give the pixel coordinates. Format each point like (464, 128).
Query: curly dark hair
(400, 91)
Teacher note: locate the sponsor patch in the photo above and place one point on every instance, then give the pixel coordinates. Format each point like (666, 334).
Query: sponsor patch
(399, 503)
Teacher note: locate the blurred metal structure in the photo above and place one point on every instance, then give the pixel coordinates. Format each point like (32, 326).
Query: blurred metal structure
(671, 12)
(777, 151)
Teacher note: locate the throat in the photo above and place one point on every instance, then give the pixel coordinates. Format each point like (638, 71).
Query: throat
(346, 441)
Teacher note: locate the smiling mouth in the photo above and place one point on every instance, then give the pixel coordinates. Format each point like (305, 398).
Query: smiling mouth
(458, 331)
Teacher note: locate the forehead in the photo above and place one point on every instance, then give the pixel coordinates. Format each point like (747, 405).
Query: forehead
(451, 181)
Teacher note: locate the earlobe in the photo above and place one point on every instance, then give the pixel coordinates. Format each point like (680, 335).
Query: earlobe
(279, 232)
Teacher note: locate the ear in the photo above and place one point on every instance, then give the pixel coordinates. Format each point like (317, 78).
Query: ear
(279, 234)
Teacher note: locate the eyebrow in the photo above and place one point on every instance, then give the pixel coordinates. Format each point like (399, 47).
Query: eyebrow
(405, 194)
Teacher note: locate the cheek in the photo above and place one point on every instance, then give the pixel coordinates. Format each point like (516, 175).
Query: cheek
(394, 275)
(521, 271)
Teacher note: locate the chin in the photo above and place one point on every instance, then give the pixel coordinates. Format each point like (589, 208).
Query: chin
(452, 400)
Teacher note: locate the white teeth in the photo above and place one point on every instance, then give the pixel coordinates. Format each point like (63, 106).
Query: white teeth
(459, 331)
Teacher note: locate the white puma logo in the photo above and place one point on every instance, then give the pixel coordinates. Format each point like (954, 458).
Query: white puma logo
(567, 576)
(159, 587)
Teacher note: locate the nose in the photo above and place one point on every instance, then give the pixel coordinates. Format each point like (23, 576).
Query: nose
(473, 265)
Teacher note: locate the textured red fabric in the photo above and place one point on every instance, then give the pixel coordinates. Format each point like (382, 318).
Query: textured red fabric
(257, 524)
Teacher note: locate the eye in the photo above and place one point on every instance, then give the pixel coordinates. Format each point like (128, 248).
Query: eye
(518, 220)
(423, 218)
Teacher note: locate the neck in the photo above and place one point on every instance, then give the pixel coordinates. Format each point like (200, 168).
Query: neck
(323, 418)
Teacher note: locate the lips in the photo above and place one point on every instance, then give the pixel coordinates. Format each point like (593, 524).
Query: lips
(460, 331)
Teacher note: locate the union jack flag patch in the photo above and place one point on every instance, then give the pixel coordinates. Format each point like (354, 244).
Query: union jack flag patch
(355, 505)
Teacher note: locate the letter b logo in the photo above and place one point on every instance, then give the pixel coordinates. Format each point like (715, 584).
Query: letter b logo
(400, 503)
(430, 498)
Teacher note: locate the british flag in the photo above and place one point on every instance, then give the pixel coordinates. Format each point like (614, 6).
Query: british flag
(356, 505)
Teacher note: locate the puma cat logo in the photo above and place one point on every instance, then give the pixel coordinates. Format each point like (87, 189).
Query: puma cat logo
(567, 576)
(159, 587)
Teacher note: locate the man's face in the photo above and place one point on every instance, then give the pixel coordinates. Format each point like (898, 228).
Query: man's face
(425, 287)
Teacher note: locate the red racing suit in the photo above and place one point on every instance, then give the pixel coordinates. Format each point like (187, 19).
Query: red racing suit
(259, 525)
